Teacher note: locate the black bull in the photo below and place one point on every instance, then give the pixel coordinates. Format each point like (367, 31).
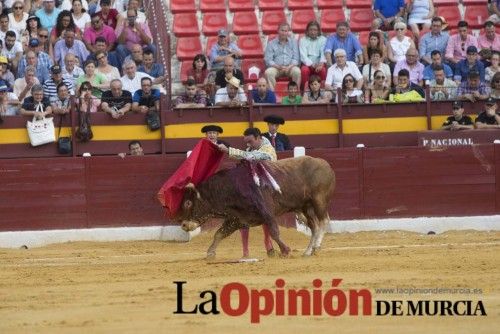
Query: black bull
(306, 188)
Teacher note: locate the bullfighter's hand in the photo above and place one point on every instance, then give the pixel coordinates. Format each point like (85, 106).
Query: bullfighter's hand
(223, 148)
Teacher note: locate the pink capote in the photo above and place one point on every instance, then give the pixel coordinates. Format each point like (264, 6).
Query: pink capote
(203, 162)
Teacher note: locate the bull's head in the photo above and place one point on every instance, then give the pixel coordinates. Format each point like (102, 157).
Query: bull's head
(190, 214)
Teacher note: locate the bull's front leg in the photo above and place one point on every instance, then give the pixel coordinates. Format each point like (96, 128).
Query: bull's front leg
(228, 227)
(275, 235)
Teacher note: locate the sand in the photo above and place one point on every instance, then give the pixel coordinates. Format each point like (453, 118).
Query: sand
(128, 287)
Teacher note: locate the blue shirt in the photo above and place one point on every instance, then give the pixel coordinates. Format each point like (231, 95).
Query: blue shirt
(47, 20)
(282, 54)
(270, 97)
(462, 69)
(350, 44)
(388, 8)
(430, 42)
(156, 70)
(146, 101)
(429, 73)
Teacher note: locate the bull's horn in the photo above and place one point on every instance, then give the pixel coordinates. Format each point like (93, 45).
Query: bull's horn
(191, 186)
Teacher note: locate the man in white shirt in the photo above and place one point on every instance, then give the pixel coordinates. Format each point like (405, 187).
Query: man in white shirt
(340, 69)
(232, 95)
(132, 79)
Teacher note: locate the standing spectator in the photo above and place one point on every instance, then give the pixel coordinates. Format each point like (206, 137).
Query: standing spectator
(315, 94)
(132, 32)
(388, 12)
(458, 121)
(232, 95)
(414, 67)
(191, 97)
(30, 59)
(405, 85)
(494, 68)
(278, 140)
(470, 64)
(97, 29)
(473, 89)
(50, 86)
(131, 80)
(48, 14)
(13, 50)
(262, 94)
(437, 61)
(420, 13)
(459, 43)
(378, 90)
(22, 86)
(350, 94)
(226, 73)
(222, 49)
(441, 88)
(108, 15)
(116, 101)
(146, 99)
(311, 48)
(148, 65)
(70, 70)
(489, 40)
(293, 96)
(489, 118)
(64, 23)
(18, 17)
(435, 39)
(212, 133)
(399, 44)
(103, 67)
(80, 15)
(375, 65)
(98, 81)
(282, 57)
(346, 40)
(339, 70)
(375, 43)
(70, 45)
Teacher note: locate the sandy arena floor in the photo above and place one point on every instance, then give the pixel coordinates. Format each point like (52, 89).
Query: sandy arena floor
(128, 287)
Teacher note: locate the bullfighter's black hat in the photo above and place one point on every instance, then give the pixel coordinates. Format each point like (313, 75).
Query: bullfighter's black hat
(274, 119)
(211, 127)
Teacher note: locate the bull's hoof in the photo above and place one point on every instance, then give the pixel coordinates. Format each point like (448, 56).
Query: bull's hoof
(316, 251)
(285, 252)
(271, 253)
(210, 256)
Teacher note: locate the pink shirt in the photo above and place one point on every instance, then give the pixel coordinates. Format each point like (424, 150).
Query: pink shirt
(132, 36)
(485, 43)
(457, 48)
(107, 32)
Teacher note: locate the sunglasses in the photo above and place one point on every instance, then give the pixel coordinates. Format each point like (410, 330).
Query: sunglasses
(18, 8)
(95, 22)
(100, 58)
(85, 89)
(378, 77)
(399, 29)
(349, 80)
(43, 36)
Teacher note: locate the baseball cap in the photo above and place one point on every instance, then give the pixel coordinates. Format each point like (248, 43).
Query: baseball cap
(55, 69)
(222, 32)
(471, 49)
(34, 42)
(3, 60)
(457, 104)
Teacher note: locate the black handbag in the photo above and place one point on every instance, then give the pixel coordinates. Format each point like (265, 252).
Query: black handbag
(153, 120)
(63, 143)
(84, 132)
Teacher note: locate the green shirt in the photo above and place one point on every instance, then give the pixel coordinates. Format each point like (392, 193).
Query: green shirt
(97, 80)
(297, 100)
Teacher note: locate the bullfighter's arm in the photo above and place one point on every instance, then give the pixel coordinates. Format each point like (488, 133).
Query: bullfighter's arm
(249, 155)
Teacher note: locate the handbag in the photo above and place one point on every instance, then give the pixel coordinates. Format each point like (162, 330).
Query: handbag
(153, 120)
(63, 143)
(84, 132)
(41, 131)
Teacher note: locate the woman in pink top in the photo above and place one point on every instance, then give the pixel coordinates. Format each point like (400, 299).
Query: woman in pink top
(86, 100)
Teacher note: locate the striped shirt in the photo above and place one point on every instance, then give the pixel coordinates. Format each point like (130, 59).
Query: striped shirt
(50, 89)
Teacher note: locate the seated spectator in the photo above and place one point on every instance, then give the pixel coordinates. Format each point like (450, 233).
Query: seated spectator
(116, 101)
(399, 44)
(30, 59)
(131, 5)
(148, 65)
(375, 44)
(405, 85)
(311, 48)
(350, 94)
(315, 94)
(61, 102)
(473, 89)
(378, 90)
(229, 71)
(436, 39)
(5, 74)
(18, 17)
(107, 14)
(199, 70)
(222, 49)
(12, 50)
(387, 13)
(470, 64)
(279, 141)
(459, 43)
(132, 32)
(494, 68)
(43, 59)
(22, 86)
(4, 27)
(103, 67)
(494, 11)
(64, 23)
(437, 61)
(262, 94)
(80, 15)
(71, 71)
(45, 45)
(192, 98)
(9, 103)
(420, 13)
(32, 30)
(339, 70)
(489, 40)
(458, 121)
(136, 54)
(69, 45)
(101, 45)
(412, 65)
(346, 40)
(147, 98)
(489, 118)
(98, 81)
(293, 96)
(50, 86)
(442, 88)
(96, 30)
(132, 79)
(282, 57)
(86, 101)
(48, 14)
(30, 106)
(232, 95)
(495, 86)
(375, 65)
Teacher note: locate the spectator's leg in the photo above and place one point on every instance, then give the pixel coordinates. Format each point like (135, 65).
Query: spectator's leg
(295, 73)
(322, 73)
(305, 72)
(271, 74)
(92, 8)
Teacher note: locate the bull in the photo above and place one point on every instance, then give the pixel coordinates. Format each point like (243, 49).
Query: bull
(306, 187)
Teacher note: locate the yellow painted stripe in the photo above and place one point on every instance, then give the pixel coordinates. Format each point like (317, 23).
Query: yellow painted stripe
(389, 124)
(311, 127)
(437, 121)
(193, 130)
(20, 136)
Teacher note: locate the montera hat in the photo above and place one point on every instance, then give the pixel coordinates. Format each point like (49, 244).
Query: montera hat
(274, 119)
(211, 127)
